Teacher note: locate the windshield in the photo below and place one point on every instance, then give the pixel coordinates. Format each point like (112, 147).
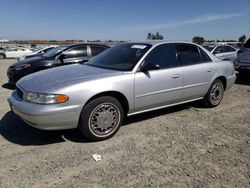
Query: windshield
(54, 51)
(122, 57)
(209, 48)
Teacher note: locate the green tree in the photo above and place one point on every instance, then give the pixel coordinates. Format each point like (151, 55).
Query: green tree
(150, 36)
(242, 38)
(156, 36)
(198, 40)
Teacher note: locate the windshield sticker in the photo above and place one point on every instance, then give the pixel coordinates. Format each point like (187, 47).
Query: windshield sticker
(139, 46)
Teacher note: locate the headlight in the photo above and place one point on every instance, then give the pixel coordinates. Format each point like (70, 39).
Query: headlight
(45, 98)
(23, 66)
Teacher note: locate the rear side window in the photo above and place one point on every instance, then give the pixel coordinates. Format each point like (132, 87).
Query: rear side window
(204, 56)
(164, 56)
(79, 51)
(247, 44)
(188, 54)
(95, 50)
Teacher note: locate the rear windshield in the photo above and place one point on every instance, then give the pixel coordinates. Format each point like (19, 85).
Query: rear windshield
(247, 44)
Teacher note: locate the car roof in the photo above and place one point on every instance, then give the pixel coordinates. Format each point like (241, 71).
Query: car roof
(158, 42)
(80, 44)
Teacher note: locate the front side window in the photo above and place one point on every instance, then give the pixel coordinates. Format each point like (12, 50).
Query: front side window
(229, 49)
(79, 51)
(219, 49)
(123, 57)
(95, 50)
(164, 56)
(209, 48)
(188, 54)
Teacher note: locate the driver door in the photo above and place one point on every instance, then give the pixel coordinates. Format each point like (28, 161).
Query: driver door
(156, 88)
(219, 52)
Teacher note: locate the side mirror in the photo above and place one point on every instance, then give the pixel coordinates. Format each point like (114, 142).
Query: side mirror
(149, 66)
(62, 57)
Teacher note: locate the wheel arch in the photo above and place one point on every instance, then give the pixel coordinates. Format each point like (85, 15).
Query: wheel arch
(117, 95)
(223, 79)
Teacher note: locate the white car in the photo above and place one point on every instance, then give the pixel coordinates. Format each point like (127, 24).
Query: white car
(224, 52)
(36, 53)
(17, 52)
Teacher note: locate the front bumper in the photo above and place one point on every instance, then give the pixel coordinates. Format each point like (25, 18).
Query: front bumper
(14, 75)
(45, 117)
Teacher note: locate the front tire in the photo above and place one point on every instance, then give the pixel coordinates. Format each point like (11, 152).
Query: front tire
(215, 94)
(101, 118)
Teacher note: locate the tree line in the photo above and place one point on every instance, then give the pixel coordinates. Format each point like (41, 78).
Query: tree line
(196, 39)
(200, 40)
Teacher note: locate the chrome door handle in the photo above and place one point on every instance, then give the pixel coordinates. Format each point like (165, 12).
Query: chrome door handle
(176, 76)
(209, 70)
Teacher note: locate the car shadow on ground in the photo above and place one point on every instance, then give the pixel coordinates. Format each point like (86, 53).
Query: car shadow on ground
(8, 86)
(243, 80)
(13, 129)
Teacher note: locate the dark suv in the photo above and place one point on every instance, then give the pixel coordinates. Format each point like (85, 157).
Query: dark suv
(58, 56)
(242, 63)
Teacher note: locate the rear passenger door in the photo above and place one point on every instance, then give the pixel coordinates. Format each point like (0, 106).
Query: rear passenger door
(162, 86)
(197, 71)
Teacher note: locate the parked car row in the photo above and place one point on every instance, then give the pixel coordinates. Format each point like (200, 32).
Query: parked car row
(21, 53)
(17, 52)
(35, 53)
(124, 80)
(57, 56)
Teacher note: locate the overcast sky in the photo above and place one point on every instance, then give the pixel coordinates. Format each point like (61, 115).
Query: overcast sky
(123, 19)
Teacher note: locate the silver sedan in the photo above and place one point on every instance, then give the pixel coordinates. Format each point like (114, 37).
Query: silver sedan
(127, 79)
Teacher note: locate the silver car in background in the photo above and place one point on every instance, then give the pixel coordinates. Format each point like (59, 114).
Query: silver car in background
(224, 52)
(127, 79)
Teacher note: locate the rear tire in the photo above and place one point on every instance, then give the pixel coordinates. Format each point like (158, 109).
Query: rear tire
(214, 95)
(101, 118)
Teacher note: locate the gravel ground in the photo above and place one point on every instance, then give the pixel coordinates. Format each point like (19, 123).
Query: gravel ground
(183, 146)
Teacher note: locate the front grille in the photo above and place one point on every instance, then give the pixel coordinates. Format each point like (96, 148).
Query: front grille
(19, 93)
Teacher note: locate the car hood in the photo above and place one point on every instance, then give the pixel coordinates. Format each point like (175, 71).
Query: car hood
(29, 61)
(51, 79)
